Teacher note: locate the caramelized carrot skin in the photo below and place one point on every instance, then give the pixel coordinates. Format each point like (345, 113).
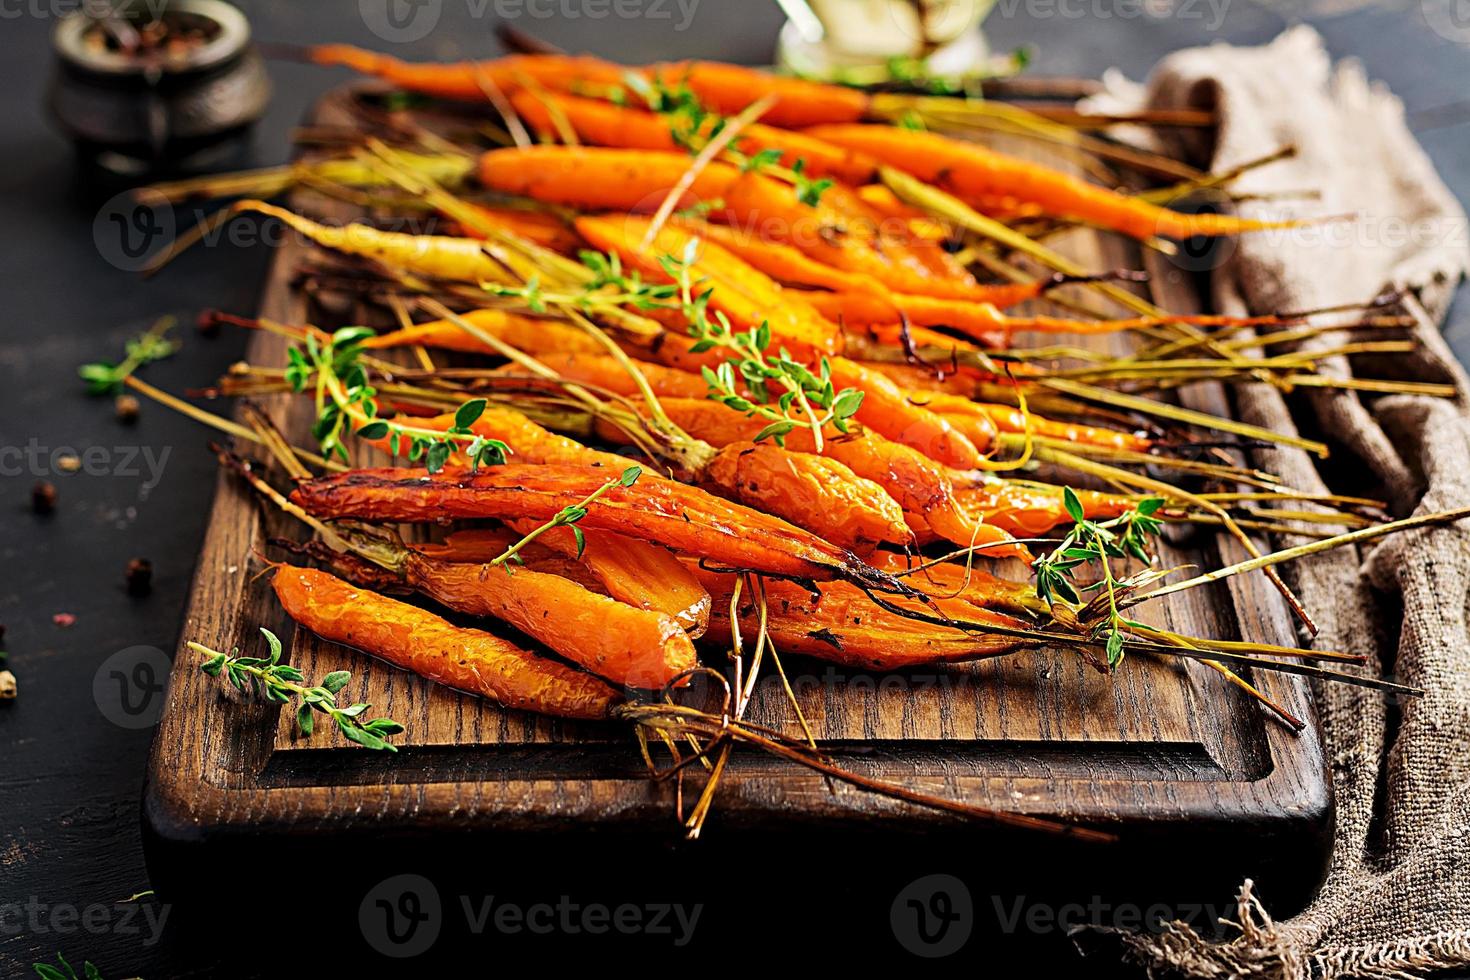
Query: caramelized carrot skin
(606, 372)
(528, 442)
(657, 510)
(627, 646)
(996, 182)
(819, 494)
(415, 640)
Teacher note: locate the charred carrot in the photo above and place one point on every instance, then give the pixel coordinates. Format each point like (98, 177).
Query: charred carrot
(534, 335)
(658, 510)
(464, 659)
(996, 182)
(817, 493)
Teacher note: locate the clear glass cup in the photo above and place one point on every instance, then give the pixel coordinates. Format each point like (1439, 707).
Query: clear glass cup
(825, 37)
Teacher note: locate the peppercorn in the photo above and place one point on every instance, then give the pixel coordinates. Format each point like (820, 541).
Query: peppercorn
(140, 577)
(43, 497)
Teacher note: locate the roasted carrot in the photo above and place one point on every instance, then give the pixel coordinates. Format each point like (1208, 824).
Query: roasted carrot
(467, 80)
(746, 296)
(819, 494)
(546, 230)
(608, 373)
(996, 182)
(464, 659)
(984, 322)
(534, 335)
(605, 124)
(886, 410)
(725, 88)
(730, 88)
(642, 575)
(780, 261)
(963, 413)
(439, 256)
(921, 487)
(638, 572)
(628, 646)
(842, 625)
(1032, 509)
(596, 178)
(528, 442)
(684, 518)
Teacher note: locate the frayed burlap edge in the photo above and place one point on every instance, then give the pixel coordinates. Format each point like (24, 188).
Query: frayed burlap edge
(1263, 951)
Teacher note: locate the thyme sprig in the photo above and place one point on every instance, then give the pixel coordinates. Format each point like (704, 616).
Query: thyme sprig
(778, 389)
(567, 517)
(152, 345)
(1090, 541)
(344, 396)
(65, 971)
(268, 678)
(774, 386)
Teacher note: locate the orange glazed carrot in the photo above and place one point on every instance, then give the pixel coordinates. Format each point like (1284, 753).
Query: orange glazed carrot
(681, 517)
(994, 181)
(528, 442)
(533, 335)
(465, 659)
(597, 178)
(817, 493)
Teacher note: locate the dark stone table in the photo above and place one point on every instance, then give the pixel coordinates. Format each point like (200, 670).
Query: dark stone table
(73, 747)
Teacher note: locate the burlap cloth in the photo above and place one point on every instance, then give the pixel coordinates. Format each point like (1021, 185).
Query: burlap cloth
(1396, 901)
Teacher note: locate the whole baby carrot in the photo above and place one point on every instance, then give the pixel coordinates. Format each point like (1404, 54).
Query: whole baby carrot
(413, 639)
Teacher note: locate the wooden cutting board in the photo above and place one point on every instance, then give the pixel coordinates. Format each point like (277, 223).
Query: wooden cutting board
(1160, 747)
